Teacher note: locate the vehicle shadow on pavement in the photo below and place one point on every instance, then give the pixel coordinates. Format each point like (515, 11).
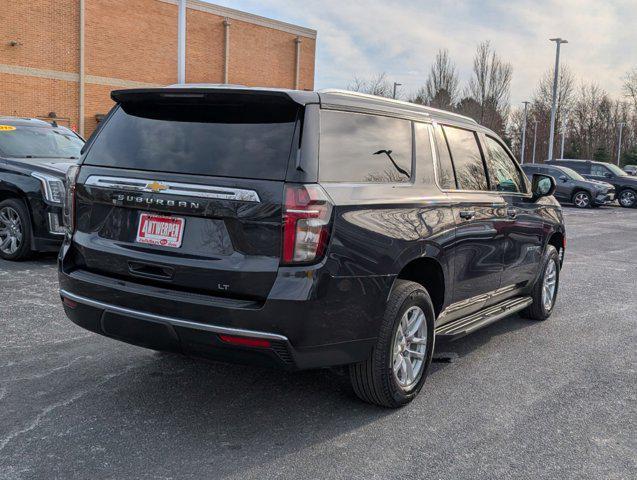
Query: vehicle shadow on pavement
(216, 411)
(448, 352)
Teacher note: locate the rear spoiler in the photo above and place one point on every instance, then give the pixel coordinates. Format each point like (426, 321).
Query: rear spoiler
(211, 94)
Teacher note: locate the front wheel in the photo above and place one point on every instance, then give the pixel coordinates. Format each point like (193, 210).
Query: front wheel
(15, 230)
(545, 289)
(627, 198)
(396, 370)
(582, 199)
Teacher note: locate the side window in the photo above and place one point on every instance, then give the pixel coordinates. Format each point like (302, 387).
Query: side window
(504, 174)
(579, 167)
(467, 159)
(598, 170)
(554, 172)
(424, 158)
(360, 148)
(447, 177)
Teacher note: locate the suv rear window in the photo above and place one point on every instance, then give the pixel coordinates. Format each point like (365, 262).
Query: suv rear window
(360, 148)
(241, 138)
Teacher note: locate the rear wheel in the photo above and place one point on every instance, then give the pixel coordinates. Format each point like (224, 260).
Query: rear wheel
(545, 289)
(15, 230)
(396, 370)
(582, 199)
(627, 198)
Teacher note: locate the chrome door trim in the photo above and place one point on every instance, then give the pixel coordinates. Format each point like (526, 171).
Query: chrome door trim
(173, 188)
(178, 322)
(483, 297)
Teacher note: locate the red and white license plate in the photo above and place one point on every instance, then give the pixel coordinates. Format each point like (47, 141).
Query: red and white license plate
(160, 230)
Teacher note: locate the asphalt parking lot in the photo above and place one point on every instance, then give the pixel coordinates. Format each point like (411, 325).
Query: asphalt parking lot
(517, 400)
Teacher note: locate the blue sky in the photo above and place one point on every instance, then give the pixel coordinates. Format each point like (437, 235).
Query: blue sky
(362, 38)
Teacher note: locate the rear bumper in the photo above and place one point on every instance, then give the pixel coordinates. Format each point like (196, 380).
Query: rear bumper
(310, 320)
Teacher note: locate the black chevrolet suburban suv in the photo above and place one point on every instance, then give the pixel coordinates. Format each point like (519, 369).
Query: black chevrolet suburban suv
(34, 158)
(305, 230)
(625, 184)
(571, 187)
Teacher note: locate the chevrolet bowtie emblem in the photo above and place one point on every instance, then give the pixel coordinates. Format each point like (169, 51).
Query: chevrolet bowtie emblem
(156, 186)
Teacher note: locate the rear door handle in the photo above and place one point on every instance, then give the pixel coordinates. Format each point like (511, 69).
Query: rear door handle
(467, 214)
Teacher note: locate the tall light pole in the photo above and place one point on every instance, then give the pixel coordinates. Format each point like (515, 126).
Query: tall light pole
(534, 140)
(619, 142)
(526, 104)
(563, 135)
(396, 84)
(558, 42)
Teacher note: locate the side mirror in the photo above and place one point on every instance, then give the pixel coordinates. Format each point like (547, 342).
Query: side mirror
(608, 175)
(563, 178)
(542, 186)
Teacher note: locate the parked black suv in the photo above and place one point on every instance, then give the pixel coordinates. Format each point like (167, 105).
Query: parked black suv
(625, 184)
(303, 229)
(571, 187)
(34, 158)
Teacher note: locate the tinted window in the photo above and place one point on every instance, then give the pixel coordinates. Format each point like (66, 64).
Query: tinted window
(580, 167)
(249, 139)
(569, 172)
(505, 176)
(31, 141)
(424, 163)
(362, 148)
(467, 159)
(554, 172)
(598, 170)
(447, 177)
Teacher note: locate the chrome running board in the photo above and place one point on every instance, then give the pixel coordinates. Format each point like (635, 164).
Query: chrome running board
(463, 326)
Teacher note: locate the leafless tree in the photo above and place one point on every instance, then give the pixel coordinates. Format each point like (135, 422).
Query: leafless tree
(441, 87)
(378, 85)
(490, 86)
(630, 86)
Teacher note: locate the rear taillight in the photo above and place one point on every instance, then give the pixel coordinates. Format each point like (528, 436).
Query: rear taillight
(68, 214)
(306, 223)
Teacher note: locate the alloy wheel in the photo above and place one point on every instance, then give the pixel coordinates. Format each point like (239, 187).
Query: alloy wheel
(627, 198)
(581, 200)
(11, 233)
(549, 285)
(409, 348)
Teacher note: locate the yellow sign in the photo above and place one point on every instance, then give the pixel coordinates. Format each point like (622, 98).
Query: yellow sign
(156, 186)
(6, 128)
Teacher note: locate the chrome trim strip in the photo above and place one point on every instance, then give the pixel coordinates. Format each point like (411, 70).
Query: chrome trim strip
(173, 188)
(484, 317)
(477, 299)
(171, 320)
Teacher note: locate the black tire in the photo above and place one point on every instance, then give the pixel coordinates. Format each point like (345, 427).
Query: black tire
(582, 199)
(627, 198)
(373, 380)
(24, 249)
(537, 310)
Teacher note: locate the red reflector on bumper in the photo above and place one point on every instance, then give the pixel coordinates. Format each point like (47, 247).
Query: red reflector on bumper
(69, 303)
(245, 341)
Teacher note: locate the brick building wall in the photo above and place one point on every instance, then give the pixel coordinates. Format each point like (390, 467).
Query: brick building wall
(133, 43)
